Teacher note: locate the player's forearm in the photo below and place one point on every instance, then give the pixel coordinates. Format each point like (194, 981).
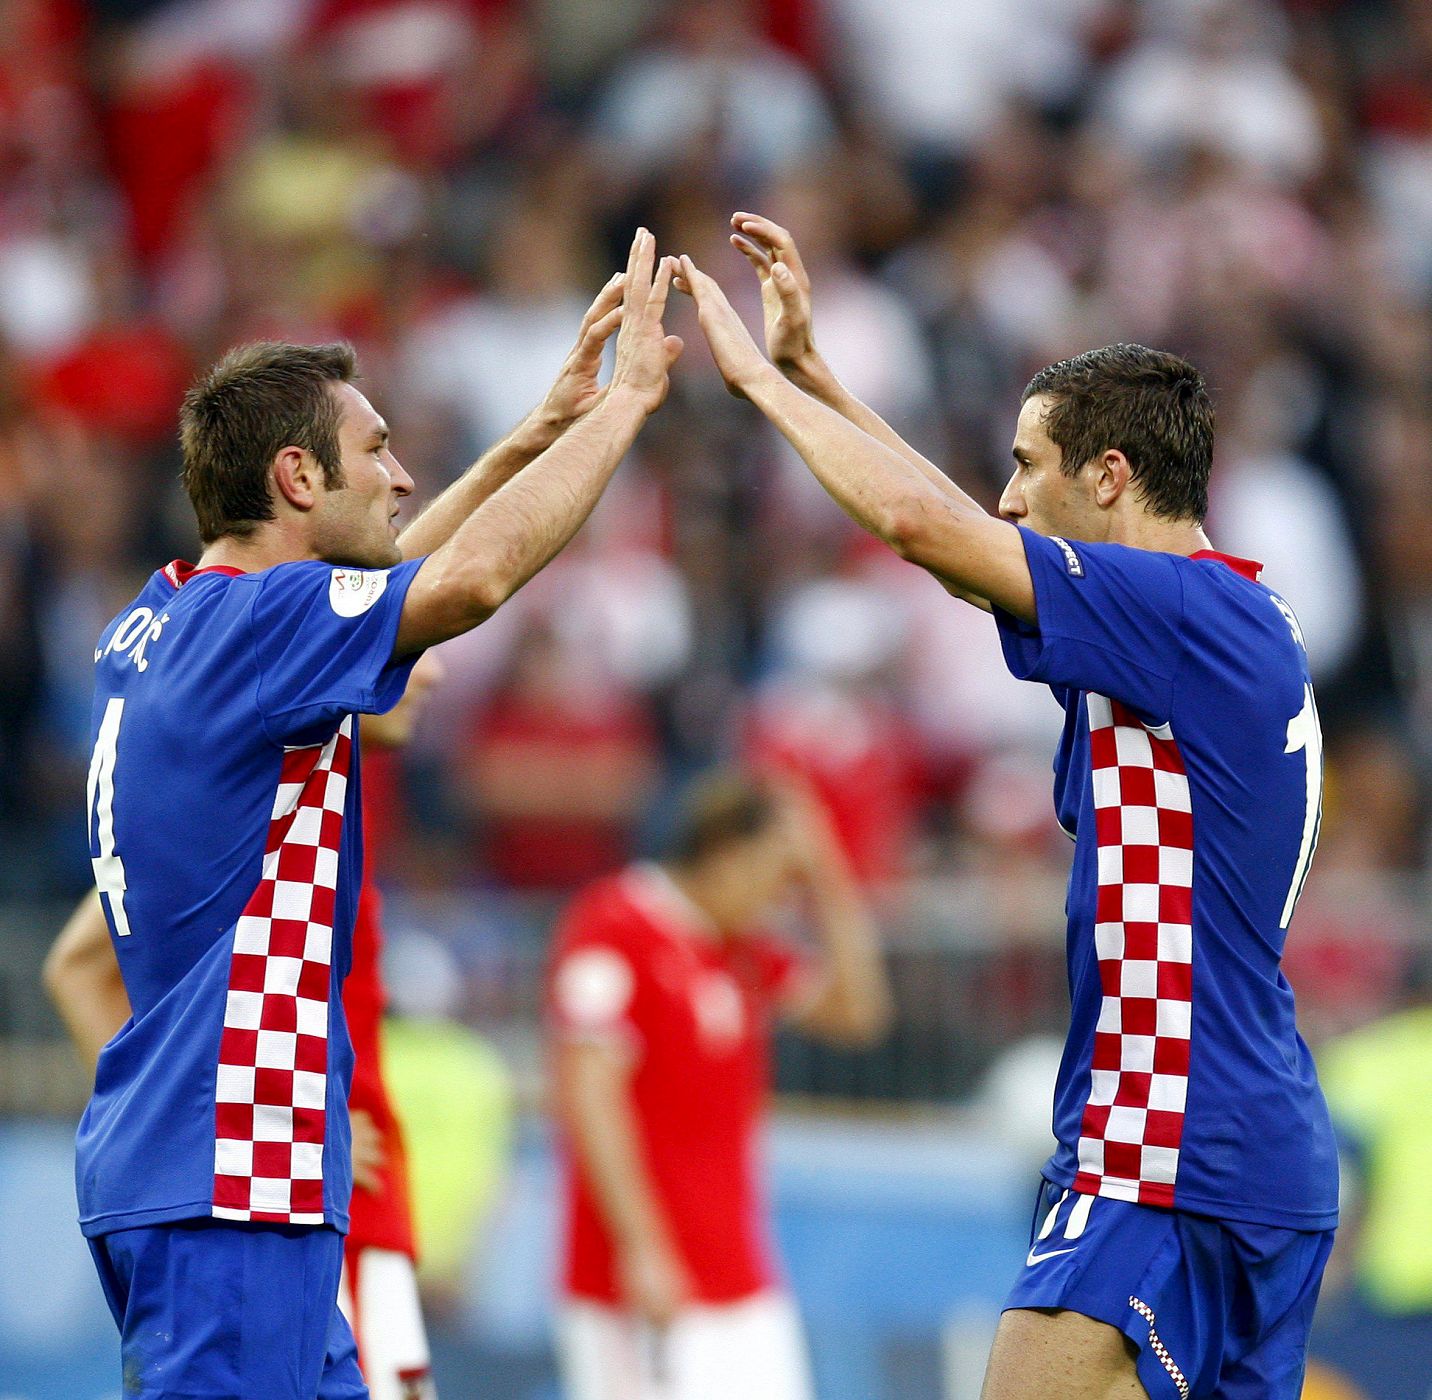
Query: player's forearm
(857, 1006)
(815, 377)
(520, 528)
(493, 470)
(879, 488)
(93, 1009)
(82, 978)
(599, 1119)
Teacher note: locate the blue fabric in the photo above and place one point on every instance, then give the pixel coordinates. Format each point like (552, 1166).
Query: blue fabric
(214, 1311)
(217, 674)
(1193, 644)
(1224, 1307)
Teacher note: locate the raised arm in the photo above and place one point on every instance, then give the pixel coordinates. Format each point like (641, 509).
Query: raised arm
(881, 489)
(82, 977)
(574, 393)
(523, 524)
(788, 312)
(846, 1000)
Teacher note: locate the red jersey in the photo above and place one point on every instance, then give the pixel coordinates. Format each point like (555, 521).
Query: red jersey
(636, 961)
(379, 1219)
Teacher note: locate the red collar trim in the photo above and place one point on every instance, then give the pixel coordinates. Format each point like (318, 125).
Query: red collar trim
(1247, 567)
(179, 573)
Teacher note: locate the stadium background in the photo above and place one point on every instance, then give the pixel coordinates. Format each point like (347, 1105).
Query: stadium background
(979, 188)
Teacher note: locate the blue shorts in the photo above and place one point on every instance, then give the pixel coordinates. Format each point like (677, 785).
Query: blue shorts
(1215, 1307)
(209, 1310)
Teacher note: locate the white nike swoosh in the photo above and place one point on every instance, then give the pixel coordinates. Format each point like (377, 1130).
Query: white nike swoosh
(1034, 1258)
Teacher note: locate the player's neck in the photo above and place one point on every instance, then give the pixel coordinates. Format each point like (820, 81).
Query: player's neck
(270, 544)
(1141, 530)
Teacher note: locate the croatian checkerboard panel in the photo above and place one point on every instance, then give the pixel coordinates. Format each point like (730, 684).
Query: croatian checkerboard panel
(1143, 934)
(273, 1055)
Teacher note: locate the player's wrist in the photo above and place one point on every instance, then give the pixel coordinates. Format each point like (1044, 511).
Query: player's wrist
(624, 401)
(540, 429)
(809, 372)
(761, 382)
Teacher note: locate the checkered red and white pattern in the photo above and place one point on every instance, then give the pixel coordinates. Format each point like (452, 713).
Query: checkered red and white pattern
(273, 1056)
(1143, 934)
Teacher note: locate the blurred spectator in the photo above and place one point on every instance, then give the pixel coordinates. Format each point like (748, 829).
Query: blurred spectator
(1212, 76)
(938, 74)
(561, 760)
(488, 357)
(712, 83)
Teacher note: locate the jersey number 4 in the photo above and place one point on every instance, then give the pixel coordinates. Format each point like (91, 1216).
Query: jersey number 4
(1305, 735)
(108, 868)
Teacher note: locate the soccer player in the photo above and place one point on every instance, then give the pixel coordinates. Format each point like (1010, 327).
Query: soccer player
(213, 1162)
(379, 1293)
(1187, 1214)
(661, 995)
(379, 1288)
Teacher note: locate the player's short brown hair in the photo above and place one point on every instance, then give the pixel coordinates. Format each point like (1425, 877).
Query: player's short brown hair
(719, 810)
(1149, 405)
(257, 400)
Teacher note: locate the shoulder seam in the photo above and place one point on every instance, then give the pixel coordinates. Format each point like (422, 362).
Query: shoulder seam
(258, 667)
(1182, 643)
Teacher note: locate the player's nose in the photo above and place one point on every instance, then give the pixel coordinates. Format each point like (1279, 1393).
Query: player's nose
(1011, 501)
(402, 483)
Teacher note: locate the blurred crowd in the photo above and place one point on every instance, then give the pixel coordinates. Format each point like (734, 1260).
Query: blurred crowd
(978, 189)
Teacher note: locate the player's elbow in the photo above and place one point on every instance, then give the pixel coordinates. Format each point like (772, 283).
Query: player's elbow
(450, 597)
(905, 526)
(488, 591)
(853, 1023)
(866, 1025)
(64, 967)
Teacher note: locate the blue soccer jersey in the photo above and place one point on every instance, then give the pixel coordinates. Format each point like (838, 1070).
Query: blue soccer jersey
(1190, 775)
(227, 847)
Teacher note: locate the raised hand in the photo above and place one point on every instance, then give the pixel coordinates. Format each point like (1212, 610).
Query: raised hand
(810, 833)
(785, 293)
(645, 353)
(737, 356)
(575, 390)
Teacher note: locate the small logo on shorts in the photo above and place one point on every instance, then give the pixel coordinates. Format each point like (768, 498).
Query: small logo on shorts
(352, 592)
(1032, 1258)
(1072, 561)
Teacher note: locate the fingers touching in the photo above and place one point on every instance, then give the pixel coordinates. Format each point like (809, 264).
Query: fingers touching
(607, 300)
(772, 242)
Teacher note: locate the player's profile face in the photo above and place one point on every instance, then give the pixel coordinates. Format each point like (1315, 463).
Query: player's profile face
(1038, 493)
(358, 521)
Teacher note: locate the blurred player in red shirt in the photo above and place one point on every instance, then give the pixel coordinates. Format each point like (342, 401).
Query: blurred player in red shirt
(379, 1294)
(662, 993)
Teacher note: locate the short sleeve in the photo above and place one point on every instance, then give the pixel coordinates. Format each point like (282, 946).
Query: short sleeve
(592, 994)
(323, 642)
(1110, 620)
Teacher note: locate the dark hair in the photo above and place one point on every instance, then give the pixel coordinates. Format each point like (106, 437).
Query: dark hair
(1149, 405)
(257, 400)
(715, 811)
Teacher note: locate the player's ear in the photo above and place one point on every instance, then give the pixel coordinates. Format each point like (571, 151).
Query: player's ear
(296, 477)
(1112, 474)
